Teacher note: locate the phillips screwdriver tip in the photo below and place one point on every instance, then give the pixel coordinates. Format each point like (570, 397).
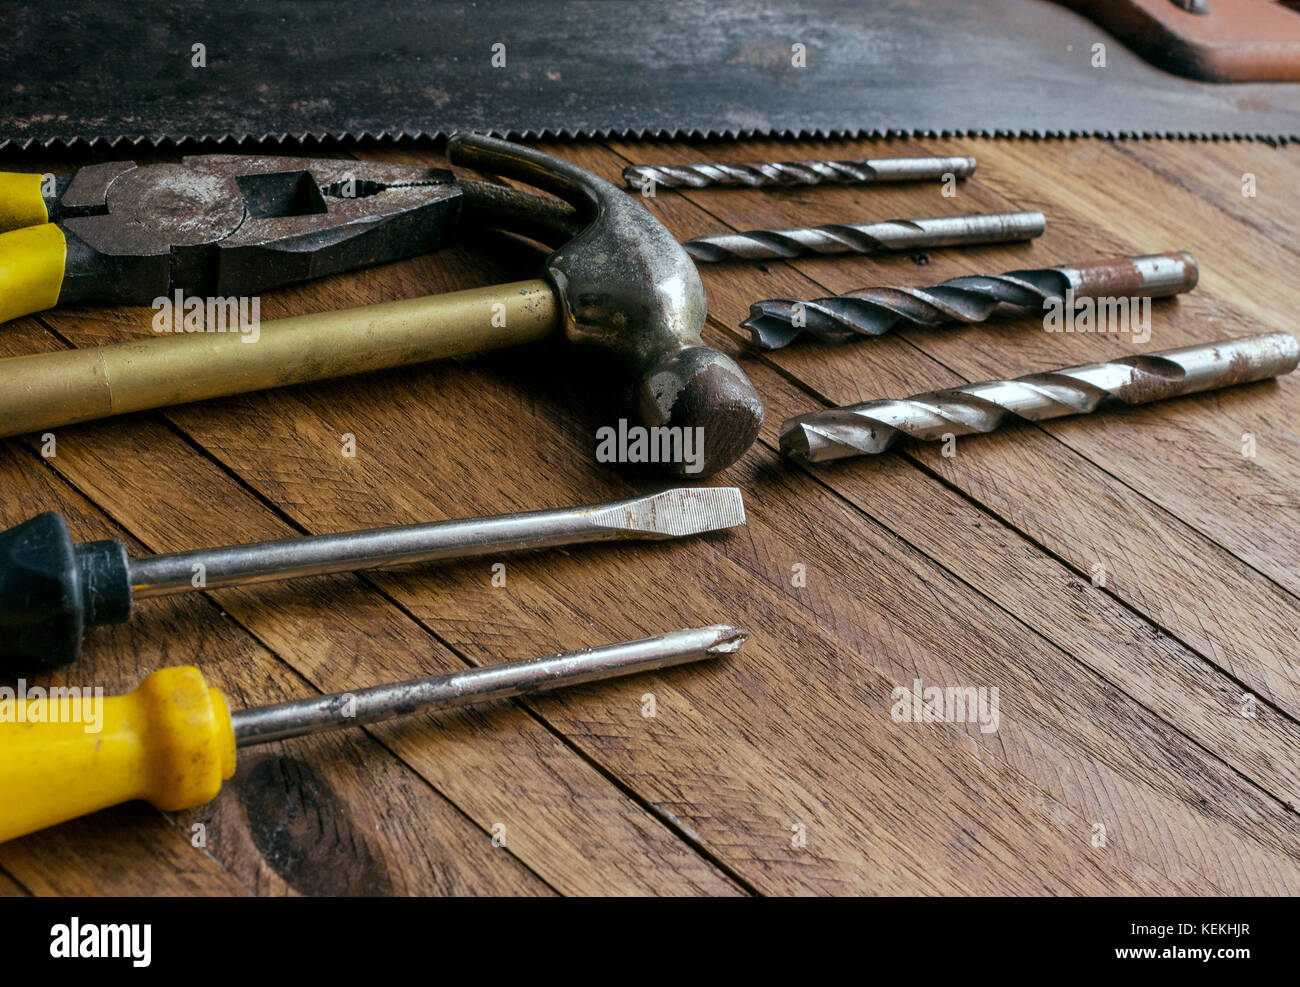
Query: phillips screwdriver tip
(729, 639)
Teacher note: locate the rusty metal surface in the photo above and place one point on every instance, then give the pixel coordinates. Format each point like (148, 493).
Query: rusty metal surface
(241, 224)
(777, 322)
(875, 426)
(328, 69)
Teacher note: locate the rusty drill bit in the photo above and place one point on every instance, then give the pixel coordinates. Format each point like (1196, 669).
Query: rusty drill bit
(839, 433)
(776, 322)
(862, 171)
(868, 238)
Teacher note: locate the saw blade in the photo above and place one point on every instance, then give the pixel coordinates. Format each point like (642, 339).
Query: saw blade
(171, 72)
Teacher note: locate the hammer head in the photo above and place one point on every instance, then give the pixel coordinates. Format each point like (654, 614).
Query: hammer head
(625, 284)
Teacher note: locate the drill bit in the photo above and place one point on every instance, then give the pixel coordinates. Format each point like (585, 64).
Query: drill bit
(67, 588)
(868, 238)
(862, 171)
(839, 433)
(776, 322)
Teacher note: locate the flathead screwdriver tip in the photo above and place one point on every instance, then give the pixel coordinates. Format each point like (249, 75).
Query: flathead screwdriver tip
(675, 513)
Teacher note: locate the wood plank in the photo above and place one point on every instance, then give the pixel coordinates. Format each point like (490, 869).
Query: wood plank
(917, 567)
(1242, 291)
(484, 618)
(1031, 478)
(1217, 175)
(9, 888)
(339, 635)
(251, 837)
(1244, 504)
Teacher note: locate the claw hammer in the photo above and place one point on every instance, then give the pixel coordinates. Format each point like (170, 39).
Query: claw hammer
(617, 280)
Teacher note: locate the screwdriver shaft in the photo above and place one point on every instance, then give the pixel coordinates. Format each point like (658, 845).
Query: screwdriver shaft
(670, 514)
(859, 429)
(868, 238)
(775, 322)
(860, 171)
(265, 724)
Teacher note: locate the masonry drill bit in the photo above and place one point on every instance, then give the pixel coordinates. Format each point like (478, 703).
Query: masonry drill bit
(868, 238)
(861, 171)
(776, 322)
(839, 433)
(52, 589)
(174, 740)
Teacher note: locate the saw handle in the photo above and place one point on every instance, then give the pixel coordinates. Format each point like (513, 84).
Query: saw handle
(169, 742)
(48, 390)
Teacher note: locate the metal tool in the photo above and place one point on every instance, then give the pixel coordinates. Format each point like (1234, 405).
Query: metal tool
(52, 590)
(776, 322)
(860, 171)
(173, 740)
(868, 238)
(618, 281)
(874, 426)
(585, 68)
(213, 225)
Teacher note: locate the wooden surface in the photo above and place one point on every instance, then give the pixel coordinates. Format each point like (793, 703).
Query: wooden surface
(1120, 705)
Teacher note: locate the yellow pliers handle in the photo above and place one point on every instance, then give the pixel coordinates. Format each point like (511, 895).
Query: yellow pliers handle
(32, 253)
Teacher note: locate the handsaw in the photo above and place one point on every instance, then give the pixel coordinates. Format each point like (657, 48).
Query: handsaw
(82, 71)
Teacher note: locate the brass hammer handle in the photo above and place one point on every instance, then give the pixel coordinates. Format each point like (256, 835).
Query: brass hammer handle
(48, 390)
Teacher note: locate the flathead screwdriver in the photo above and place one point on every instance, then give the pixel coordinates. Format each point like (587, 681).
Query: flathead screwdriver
(172, 741)
(52, 589)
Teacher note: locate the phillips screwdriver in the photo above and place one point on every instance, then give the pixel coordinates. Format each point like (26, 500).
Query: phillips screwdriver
(51, 590)
(868, 238)
(172, 741)
(776, 322)
(872, 427)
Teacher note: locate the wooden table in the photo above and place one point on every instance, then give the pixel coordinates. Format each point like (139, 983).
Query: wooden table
(1127, 581)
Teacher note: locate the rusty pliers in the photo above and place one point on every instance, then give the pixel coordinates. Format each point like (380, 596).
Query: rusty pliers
(212, 225)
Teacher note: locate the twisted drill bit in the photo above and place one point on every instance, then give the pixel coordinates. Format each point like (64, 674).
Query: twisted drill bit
(776, 322)
(868, 238)
(859, 429)
(862, 171)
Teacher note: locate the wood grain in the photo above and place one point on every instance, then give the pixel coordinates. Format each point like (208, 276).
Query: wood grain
(1122, 763)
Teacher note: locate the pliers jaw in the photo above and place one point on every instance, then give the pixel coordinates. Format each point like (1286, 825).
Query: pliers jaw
(226, 225)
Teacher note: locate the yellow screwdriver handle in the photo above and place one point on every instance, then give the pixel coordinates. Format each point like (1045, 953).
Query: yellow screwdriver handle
(21, 202)
(169, 742)
(32, 262)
